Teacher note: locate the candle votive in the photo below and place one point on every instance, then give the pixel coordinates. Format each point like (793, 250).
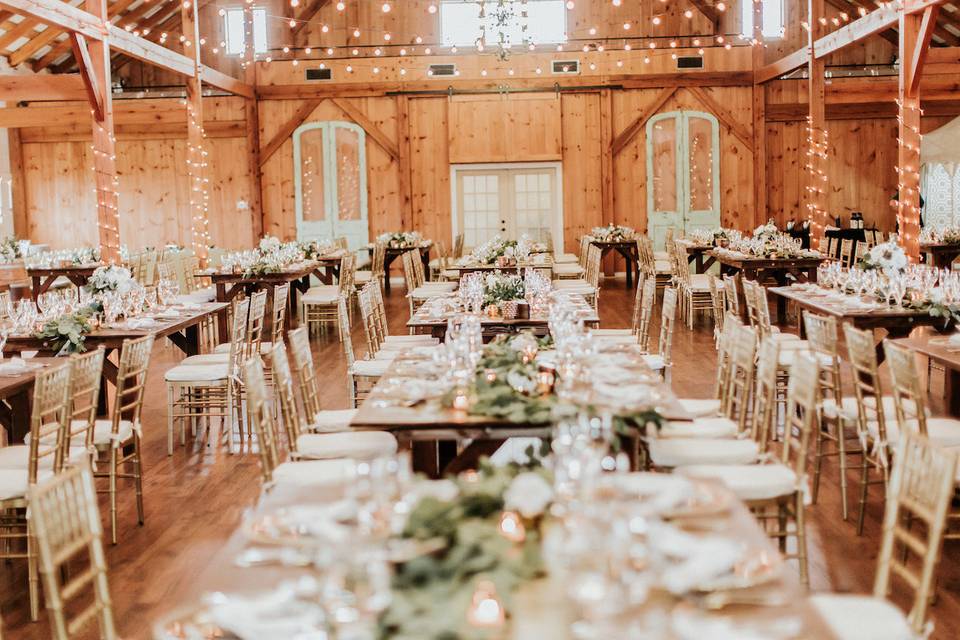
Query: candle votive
(486, 610)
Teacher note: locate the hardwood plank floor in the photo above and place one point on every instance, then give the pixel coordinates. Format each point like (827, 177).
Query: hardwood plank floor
(196, 498)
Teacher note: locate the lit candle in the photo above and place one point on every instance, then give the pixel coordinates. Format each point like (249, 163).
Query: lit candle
(490, 375)
(511, 527)
(460, 401)
(545, 380)
(485, 609)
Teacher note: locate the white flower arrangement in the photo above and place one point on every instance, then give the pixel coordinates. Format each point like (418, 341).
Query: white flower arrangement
(489, 251)
(270, 244)
(111, 278)
(889, 258)
(400, 239)
(768, 229)
(612, 233)
(11, 249)
(529, 494)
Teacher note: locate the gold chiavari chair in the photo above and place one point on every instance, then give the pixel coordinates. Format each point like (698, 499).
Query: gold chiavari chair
(567, 266)
(274, 470)
(718, 305)
(376, 270)
(838, 413)
(122, 445)
(387, 339)
(685, 450)
(320, 303)
(731, 294)
(706, 407)
(419, 291)
(319, 419)
(380, 344)
(778, 491)
(86, 376)
(23, 466)
(67, 527)
(559, 256)
(758, 311)
(694, 289)
(363, 374)
(589, 285)
(318, 446)
(921, 488)
(628, 335)
(662, 360)
(647, 300)
(846, 252)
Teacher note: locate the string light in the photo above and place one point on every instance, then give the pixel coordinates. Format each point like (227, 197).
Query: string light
(908, 175)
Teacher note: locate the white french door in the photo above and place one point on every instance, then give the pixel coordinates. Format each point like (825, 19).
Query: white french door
(509, 200)
(683, 173)
(330, 180)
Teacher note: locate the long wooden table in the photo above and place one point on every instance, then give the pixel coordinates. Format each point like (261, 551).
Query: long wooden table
(436, 434)
(539, 609)
(767, 271)
(627, 249)
(896, 321)
(941, 255)
(16, 392)
(946, 354)
(390, 254)
(698, 255)
(44, 277)
(541, 261)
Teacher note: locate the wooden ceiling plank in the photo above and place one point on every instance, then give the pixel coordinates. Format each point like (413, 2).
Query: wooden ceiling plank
(23, 52)
(624, 137)
(368, 125)
(709, 12)
(16, 32)
(62, 47)
(165, 21)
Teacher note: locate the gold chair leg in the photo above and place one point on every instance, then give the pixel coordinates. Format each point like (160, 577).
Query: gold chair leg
(817, 464)
(864, 479)
(138, 478)
(800, 523)
(33, 571)
(842, 454)
(113, 495)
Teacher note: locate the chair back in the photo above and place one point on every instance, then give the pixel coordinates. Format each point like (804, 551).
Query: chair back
(717, 304)
(409, 271)
(66, 525)
(238, 339)
(801, 416)
(646, 312)
(585, 245)
(131, 383)
(866, 381)
(348, 264)
(457, 246)
(281, 296)
(637, 302)
(377, 270)
(368, 314)
(731, 294)
(921, 488)
(86, 372)
(846, 252)
(823, 338)
(344, 318)
(725, 346)
(287, 399)
(593, 266)
(48, 420)
(260, 413)
(668, 316)
(736, 401)
(254, 334)
(909, 396)
(303, 366)
(765, 395)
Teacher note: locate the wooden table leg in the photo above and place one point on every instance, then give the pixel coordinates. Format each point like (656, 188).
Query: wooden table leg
(424, 458)
(388, 259)
(951, 381)
(19, 415)
(469, 458)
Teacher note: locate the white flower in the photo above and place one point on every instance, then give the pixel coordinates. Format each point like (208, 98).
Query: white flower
(269, 244)
(936, 295)
(529, 494)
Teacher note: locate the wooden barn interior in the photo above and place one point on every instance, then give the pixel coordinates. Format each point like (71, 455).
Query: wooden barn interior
(146, 127)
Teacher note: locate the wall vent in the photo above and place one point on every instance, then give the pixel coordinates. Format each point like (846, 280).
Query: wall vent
(689, 62)
(566, 67)
(444, 70)
(319, 74)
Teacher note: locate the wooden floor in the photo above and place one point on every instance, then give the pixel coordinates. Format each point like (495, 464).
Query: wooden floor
(195, 498)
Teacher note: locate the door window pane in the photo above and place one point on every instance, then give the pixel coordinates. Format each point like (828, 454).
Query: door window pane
(347, 144)
(664, 141)
(311, 175)
(533, 204)
(700, 158)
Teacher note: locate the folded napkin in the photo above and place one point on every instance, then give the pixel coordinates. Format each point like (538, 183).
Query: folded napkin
(659, 492)
(273, 614)
(168, 314)
(140, 323)
(696, 560)
(14, 366)
(954, 339)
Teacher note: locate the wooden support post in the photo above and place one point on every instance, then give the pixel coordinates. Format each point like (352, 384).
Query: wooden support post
(403, 161)
(759, 123)
(196, 149)
(817, 141)
(104, 148)
(253, 127)
(18, 187)
(908, 148)
(606, 168)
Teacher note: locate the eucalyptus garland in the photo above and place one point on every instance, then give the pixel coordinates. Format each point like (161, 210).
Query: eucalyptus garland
(67, 334)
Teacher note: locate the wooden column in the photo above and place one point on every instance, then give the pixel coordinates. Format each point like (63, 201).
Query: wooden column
(18, 187)
(915, 31)
(403, 163)
(93, 59)
(760, 214)
(815, 186)
(196, 149)
(252, 113)
(606, 169)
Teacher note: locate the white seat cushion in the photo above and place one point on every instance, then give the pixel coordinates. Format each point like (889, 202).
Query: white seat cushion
(387, 353)
(564, 269)
(570, 284)
(700, 407)
(424, 293)
(331, 420)
(616, 339)
(208, 358)
(563, 258)
(848, 407)
(662, 266)
(14, 482)
(18, 457)
(714, 427)
(654, 361)
(102, 429)
(779, 336)
(321, 294)
(855, 617)
(661, 255)
(221, 348)
(450, 274)
(749, 481)
(314, 472)
(607, 333)
(943, 432)
(347, 444)
(196, 373)
(410, 341)
(787, 355)
(700, 281)
(362, 277)
(681, 452)
(373, 368)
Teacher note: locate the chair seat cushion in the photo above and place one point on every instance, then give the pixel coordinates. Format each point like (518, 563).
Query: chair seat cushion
(857, 617)
(942, 432)
(102, 430)
(570, 284)
(321, 294)
(372, 368)
(700, 407)
(749, 481)
(387, 353)
(616, 339)
(714, 427)
(196, 373)
(362, 277)
(424, 293)
(848, 407)
(347, 444)
(331, 420)
(566, 269)
(700, 281)
(564, 258)
(218, 357)
(14, 482)
(661, 255)
(450, 274)
(681, 452)
(18, 457)
(787, 354)
(410, 341)
(607, 333)
(654, 361)
(313, 472)
(662, 266)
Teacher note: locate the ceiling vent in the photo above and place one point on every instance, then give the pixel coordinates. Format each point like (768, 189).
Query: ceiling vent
(319, 74)
(566, 67)
(689, 62)
(444, 70)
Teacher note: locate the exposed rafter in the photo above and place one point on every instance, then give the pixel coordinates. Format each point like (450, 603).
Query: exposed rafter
(309, 12)
(709, 12)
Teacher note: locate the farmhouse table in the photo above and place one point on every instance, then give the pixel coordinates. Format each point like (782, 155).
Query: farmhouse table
(446, 440)
(432, 321)
(184, 332)
(540, 261)
(940, 255)
(941, 350)
(627, 249)
(767, 271)
(897, 322)
(16, 392)
(43, 277)
(698, 255)
(391, 253)
(540, 607)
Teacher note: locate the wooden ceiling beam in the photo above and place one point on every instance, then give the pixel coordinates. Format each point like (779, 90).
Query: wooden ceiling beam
(18, 88)
(368, 125)
(309, 12)
(63, 47)
(623, 138)
(784, 65)
(287, 128)
(913, 68)
(94, 95)
(226, 82)
(17, 31)
(723, 116)
(166, 21)
(709, 12)
(24, 52)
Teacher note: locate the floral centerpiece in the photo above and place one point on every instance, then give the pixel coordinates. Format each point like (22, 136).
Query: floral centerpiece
(613, 233)
(313, 249)
(489, 523)
(269, 244)
(400, 239)
(492, 250)
(270, 256)
(67, 333)
(503, 292)
(767, 230)
(111, 278)
(11, 249)
(889, 258)
(941, 235)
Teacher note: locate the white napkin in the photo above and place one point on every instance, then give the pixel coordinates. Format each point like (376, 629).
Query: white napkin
(168, 314)
(690, 624)
(954, 339)
(14, 366)
(273, 614)
(141, 323)
(696, 559)
(659, 491)
(623, 394)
